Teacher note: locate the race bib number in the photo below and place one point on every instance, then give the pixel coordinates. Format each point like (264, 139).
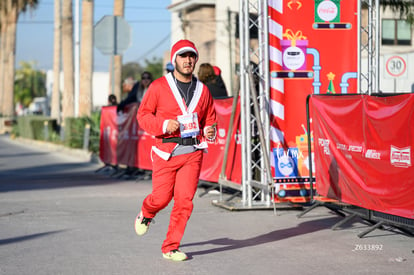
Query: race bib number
(189, 125)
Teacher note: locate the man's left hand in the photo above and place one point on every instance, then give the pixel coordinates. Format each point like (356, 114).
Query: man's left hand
(210, 132)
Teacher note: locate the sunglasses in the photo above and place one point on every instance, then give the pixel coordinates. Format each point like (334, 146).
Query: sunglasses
(146, 77)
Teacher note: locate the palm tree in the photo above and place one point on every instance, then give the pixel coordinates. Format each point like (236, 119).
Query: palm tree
(86, 59)
(404, 7)
(68, 60)
(28, 83)
(55, 105)
(3, 30)
(9, 14)
(119, 7)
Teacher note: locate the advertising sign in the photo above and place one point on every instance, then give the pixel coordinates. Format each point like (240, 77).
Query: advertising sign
(313, 50)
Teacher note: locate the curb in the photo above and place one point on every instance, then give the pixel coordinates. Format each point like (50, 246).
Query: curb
(80, 153)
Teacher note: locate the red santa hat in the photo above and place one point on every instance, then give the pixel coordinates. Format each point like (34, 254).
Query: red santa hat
(217, 70)
(181, 47)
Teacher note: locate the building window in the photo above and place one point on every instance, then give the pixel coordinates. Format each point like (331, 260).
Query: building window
(396, 32)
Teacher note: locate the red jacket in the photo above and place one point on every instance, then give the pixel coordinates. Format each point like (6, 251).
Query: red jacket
(162, 102)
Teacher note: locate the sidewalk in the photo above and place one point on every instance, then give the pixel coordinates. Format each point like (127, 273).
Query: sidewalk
(60, 217)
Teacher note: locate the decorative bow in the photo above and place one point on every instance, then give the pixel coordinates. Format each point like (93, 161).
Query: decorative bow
(290, 35)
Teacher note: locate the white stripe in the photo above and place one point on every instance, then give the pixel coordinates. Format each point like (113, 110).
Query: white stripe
(161, 154)
(276, 29)
(196, 97)
(194, 101)
(277, 109)
(176, 93)
(277, 84)
(276, 135)
(275, 55)
(272, 159)
(277, 5)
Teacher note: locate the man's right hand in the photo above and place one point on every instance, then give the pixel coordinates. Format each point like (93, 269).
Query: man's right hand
(172, 126)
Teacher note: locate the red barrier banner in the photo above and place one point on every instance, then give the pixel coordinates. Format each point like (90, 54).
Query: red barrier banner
(213, 160)
(127, 147)
(122, 141)
(363, 150)
(108, 135)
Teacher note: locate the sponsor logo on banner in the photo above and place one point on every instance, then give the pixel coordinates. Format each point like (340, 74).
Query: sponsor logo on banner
(372, 154)
(328, 11)
(221, 137)
(325, 144)
(341, 146)
(355, 148)
(349, 148)
(222, 132)
(401, 157)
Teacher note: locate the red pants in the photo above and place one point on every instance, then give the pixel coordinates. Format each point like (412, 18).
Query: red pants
(176, 178)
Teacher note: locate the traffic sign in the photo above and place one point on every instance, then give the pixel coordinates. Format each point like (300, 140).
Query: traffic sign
(112, 35)
(396, 66)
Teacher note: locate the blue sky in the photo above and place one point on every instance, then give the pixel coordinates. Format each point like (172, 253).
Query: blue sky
(150, 22)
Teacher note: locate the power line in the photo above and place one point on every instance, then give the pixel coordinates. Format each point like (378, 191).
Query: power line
(111, 6)
(129, 21)
(153, 48)
(45, 22)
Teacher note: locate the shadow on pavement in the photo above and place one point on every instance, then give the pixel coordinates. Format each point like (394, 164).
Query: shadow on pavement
(51, 176)
(277, 235)
(28, 237)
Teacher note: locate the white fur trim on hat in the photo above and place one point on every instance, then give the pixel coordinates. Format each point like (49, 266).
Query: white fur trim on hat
(181, 47)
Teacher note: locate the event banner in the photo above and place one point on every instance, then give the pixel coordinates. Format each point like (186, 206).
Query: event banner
(122, 141)
(364, 150)
(313, 49)
(108, 136)
(212, 162)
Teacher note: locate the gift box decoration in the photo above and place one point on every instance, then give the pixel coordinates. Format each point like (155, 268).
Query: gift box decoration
(294, 51)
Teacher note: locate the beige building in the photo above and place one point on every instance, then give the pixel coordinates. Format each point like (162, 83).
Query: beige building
(211, 25)
(397, 43)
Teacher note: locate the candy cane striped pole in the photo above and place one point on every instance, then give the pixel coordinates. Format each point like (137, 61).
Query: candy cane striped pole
(277, 101)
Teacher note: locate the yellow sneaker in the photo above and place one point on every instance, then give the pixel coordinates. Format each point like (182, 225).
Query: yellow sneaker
(175, 255)
(142, 224)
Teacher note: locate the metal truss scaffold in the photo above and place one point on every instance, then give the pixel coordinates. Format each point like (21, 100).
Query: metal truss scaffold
(254, 101)
(369, 37)
(257, 180)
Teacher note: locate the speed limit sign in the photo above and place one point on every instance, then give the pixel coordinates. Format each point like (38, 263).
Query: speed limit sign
(396, 66)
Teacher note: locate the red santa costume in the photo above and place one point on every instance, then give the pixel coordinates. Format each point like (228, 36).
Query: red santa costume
(175, 176)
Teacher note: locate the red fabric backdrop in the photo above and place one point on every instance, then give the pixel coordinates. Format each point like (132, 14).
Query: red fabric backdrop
(122, 141)
(363, 150)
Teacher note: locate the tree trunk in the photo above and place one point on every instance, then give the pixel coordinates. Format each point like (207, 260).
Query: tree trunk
(86, 59)
(119, 7)
(3, 40)
(68, 59)
(9, 67)
(55, 112)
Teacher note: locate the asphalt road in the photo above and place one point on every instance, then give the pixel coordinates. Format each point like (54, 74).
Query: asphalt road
(58, 216)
